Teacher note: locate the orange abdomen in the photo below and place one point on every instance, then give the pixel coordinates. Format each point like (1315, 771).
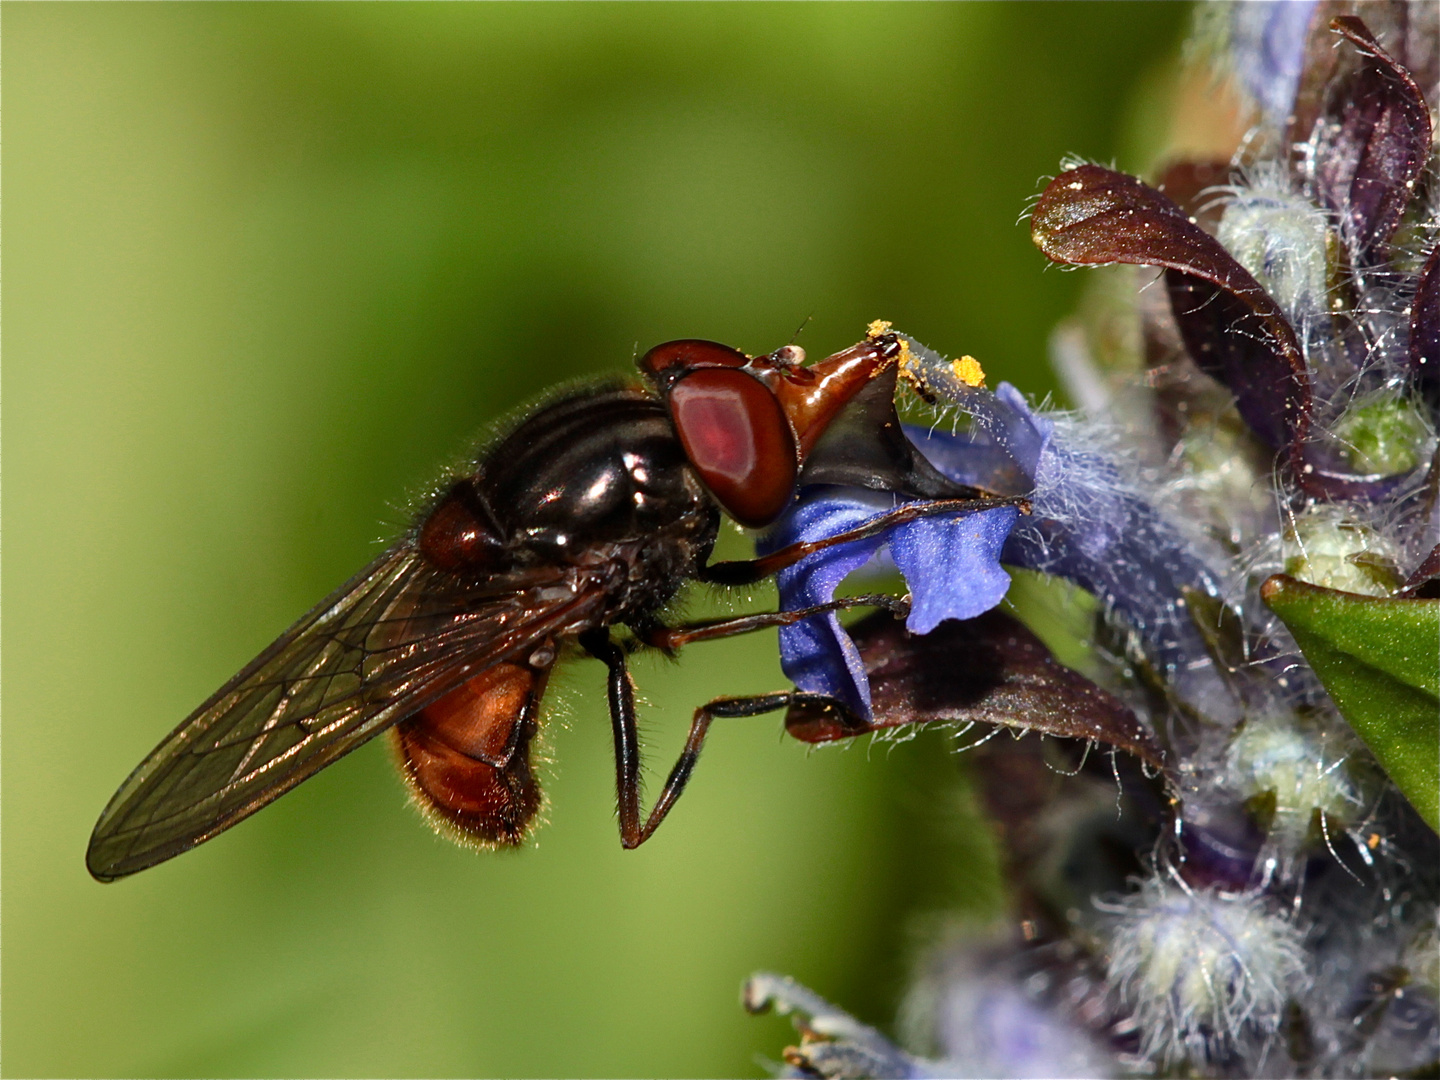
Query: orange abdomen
(466, 757)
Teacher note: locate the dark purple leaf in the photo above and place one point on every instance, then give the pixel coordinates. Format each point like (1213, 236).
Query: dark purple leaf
(1231, 326)
(1226, 340)
(989, 670)
(1425, 321)
(1370, 145)
(1331, 478)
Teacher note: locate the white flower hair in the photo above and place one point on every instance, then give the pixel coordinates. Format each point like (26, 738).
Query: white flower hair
(1201, 970)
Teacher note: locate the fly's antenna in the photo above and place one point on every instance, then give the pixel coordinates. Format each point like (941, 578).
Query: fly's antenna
(801, 328)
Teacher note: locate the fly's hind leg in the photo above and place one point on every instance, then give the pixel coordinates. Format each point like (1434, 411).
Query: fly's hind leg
(621, 692)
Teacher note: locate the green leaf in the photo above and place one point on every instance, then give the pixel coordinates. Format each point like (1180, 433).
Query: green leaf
(1379, 659)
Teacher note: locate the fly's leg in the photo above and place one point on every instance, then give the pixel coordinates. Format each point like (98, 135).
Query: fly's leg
(670, 638)
(749, 571)
(621, 690)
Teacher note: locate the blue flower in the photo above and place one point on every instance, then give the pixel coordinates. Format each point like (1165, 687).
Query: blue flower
(1090, 525)
(950, 562)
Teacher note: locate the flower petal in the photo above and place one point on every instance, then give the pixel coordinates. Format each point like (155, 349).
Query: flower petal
(817, 654)
(952, 565)
(1373, 146)
(971, 457)
(1091, 526)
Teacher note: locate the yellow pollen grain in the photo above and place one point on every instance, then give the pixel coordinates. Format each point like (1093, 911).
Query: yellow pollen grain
(968, 370)
(878, 327)
(907, 358)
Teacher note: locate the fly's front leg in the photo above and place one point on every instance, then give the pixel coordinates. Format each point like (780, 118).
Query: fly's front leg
(749, 571)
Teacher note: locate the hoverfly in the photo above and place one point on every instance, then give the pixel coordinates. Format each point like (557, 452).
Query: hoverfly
(589, 515)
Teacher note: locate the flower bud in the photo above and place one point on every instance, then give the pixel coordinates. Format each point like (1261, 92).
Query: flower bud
(1200, 969)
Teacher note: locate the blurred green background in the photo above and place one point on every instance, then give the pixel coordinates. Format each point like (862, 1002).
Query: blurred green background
(265, 268)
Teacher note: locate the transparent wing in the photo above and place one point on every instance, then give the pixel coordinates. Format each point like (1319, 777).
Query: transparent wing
(394, 638)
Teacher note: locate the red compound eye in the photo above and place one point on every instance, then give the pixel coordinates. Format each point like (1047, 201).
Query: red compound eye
(736, 435)
(746, 422)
